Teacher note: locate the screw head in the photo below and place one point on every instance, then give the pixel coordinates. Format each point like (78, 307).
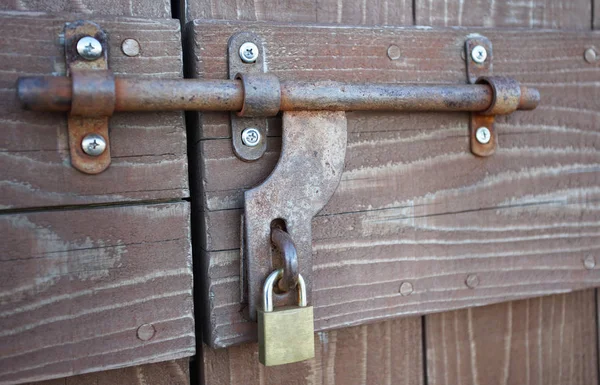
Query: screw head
(89, 48)
(130, 47)
(590, 55)
(472, 281)
(251, 137)
(93, 144)
(483, 135)
(589, 262)
(479, 54)
(393, 52)
(248, 52)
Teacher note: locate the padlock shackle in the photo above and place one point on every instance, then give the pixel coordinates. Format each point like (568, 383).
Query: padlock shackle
(269, 285)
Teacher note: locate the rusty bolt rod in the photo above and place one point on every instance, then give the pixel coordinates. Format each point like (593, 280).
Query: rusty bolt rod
(49, 93)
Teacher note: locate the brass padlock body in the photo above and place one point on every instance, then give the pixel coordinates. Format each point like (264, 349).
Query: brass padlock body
(285, 335)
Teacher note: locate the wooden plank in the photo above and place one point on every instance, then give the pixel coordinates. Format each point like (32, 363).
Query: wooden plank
(384, 353)
(94, 289)
(414, 205)
(547, 340)
(355, 12)
(93, 8)
(548, 14)
(176, 372)
(149, 158)
(596, 15)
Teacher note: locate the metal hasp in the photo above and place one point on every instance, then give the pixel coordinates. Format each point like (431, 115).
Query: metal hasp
(92, 96)
(308, 172)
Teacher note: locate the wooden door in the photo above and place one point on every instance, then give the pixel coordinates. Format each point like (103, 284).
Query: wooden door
(139, 238)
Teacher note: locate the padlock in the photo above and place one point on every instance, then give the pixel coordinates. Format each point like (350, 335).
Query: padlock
(285, 334)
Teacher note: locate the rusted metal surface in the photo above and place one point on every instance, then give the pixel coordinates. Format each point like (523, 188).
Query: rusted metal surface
(476, 74)
(245, 116)
(476, 70)
(52, 94)
(262, 95)
(307, 174)
(92, 97)
(284, 243)
(506, 92)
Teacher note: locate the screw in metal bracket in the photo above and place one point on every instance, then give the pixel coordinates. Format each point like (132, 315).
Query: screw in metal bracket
(89, 48)
(248, 52)
(251, 137)
(93, 144)
(483, 135)
(479, 54)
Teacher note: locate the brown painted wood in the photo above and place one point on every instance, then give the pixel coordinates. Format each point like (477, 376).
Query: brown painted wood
(176, 372)
(93, 8)
(149, 158)
(548, 340)
(548, 14)
(77, 285)
(414, 205)
(383, 353)
(354, 12)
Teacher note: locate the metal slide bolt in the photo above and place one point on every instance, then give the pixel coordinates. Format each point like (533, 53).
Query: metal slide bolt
(89, 48)
(93, 144)
(479, 54)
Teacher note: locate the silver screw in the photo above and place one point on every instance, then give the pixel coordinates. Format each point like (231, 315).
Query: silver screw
(248, 52)
(93, 144)
(250, 137)
(483, 135)
(479, 54)
(89, 48)
(130, 47)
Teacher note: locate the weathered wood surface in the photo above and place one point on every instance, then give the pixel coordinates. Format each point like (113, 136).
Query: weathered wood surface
(149, 158)
(93, 8)
(548, 14)
(355, 12)
(383, 353)
(414, 205)
(176, 372)
(549, 340)
(94, 289)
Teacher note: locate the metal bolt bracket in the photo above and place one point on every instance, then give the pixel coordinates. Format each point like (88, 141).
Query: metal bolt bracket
(239, 63)
(93, 95)
(478, 54)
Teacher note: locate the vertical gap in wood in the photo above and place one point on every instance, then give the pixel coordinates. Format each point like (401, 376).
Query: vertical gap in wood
(414, 12)
(424, 348)
(597, 336)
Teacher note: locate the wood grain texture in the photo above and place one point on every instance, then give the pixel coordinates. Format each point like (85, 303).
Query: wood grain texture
(149, 155)
(596, 15)
(548, 14)
(383, 353)
(76, 285)
(174, 372)
(354, 12)
(548, 340)
(414, 205)
(93, 8)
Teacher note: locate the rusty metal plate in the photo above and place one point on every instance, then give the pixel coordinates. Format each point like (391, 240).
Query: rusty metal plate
(238, 123)
(476, 70)
(93, 96)
(307, 174)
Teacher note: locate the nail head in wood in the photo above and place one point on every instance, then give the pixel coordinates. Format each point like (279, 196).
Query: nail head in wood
(406, 288)
(589, 262)
(393, 52)
(472, 281)
(130, 47)
(145, 332)
(590, 55)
